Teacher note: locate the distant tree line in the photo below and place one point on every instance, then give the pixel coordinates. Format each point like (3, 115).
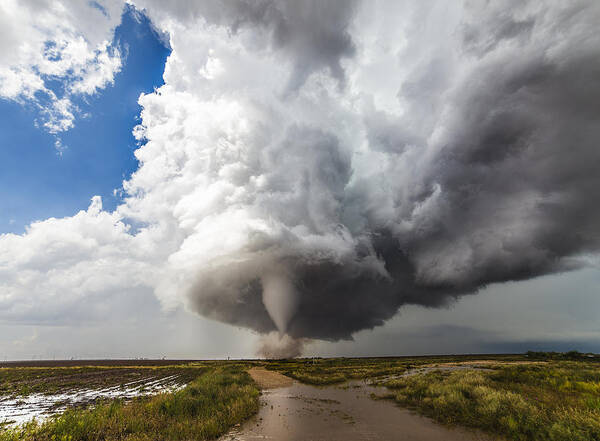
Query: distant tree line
(571, 355)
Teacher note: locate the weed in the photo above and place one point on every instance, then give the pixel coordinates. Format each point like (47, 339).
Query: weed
(557, 402)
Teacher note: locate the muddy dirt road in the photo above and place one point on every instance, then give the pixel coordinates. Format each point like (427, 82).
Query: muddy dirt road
(269, 379)
(297, 412)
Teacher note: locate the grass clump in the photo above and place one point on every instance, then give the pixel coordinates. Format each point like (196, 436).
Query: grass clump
(558, 402)
(205, 409)
(321, 372)
(325, 371)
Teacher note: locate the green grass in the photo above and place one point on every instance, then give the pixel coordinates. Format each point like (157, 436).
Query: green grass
(218, 399)
(326, 371)
(321, 372)
(550, 401)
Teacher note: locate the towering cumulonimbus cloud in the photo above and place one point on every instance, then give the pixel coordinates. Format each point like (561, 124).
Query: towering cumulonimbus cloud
(310, 167)
(317, 214)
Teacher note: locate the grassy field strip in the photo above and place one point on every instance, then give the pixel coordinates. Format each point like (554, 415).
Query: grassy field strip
(558, 401)
(332, 371)
(384, 380)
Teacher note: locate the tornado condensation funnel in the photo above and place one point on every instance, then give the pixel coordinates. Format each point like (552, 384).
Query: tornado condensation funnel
(280, 299)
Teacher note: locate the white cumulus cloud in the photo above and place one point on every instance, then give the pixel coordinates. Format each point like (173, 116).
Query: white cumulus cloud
(64, 41)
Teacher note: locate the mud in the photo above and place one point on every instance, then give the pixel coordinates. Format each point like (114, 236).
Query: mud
(269, 379)
(344, 413)
(94, 363)
(15, 411)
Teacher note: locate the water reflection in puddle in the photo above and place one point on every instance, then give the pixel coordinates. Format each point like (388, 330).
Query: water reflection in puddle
(15, 411)
(301, 413)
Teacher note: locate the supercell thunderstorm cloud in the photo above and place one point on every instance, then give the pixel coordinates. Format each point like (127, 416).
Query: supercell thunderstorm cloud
(310, 167)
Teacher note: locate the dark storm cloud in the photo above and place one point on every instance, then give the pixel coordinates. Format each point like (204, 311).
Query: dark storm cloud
(507, 189)
(314, 32)
(518, 174)
(313, 35)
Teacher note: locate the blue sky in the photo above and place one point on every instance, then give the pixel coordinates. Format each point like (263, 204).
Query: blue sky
(35, 181)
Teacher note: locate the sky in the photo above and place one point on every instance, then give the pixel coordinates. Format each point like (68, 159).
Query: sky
(278, 178)
(96, 155)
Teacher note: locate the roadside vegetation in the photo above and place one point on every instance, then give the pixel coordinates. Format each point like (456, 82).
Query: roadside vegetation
(554, 400)
(222, 396)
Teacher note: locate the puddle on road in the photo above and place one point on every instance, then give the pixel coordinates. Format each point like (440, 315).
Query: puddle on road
(18, 410)
(301, 413)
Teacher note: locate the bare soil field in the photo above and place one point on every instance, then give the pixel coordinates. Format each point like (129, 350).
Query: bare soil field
(25, 381)
(42, 391)
(99, 362)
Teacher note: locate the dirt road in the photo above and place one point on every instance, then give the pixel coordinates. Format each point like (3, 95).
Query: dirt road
(269, 379)
(296, 412)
